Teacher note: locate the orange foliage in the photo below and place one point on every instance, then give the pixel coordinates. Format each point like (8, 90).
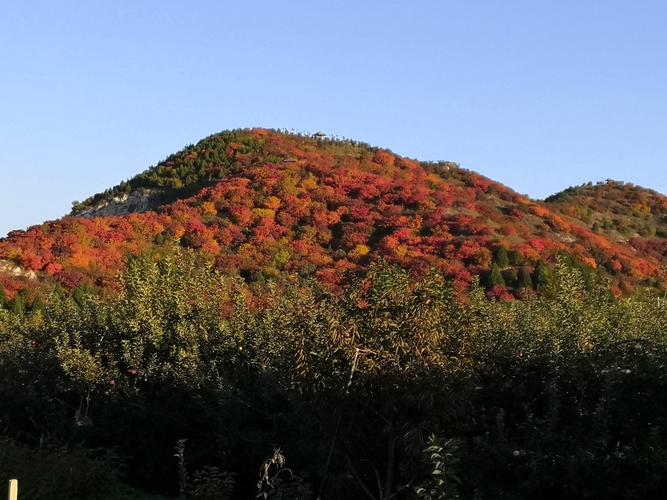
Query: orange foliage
(325, 212)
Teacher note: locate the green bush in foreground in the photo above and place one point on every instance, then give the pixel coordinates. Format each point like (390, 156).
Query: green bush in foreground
(552, 397)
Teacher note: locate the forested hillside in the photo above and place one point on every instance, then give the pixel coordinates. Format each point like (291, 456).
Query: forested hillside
(268, 315)
(263, 204)
(620, 211)
(616, 208)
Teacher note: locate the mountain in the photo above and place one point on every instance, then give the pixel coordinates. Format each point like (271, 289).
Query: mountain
(622, 212)
(262, 329)
(266, 204)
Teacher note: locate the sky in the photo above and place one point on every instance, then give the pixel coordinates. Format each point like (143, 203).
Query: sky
(539, 95)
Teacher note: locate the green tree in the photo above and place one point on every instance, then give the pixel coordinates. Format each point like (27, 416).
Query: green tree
(496, 276)
(525, 281)
(541, 276)
(19, 304)
(501, 257)
(516, 258)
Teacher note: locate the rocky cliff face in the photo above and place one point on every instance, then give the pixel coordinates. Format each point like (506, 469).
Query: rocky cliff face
(8, 267)
(141, 200)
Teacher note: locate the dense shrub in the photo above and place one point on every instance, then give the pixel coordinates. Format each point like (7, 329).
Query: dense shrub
(558, 395)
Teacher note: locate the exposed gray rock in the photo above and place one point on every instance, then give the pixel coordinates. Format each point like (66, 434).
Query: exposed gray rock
(9, 267)
(141, 200)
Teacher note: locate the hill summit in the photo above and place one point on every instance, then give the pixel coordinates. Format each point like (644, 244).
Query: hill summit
(265, 204)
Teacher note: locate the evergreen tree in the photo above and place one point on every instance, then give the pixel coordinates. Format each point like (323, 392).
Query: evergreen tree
(3, 297)
(541, 276)
(18, 306)
(496, 276)
(80, 293)
(525, 281)
(37, 305)
(516, 259)
(501, 257)
(511, 276)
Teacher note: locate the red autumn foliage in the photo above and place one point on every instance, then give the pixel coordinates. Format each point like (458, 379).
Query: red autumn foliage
(289, 204)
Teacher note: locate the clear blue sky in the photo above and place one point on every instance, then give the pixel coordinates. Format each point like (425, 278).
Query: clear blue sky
(537, 94)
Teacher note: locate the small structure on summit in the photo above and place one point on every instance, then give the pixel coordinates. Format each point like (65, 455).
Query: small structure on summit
(319, 135)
